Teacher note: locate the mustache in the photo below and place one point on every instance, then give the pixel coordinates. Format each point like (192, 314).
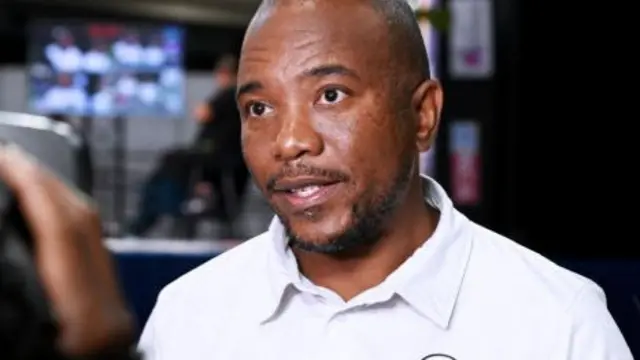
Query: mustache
(300, 169)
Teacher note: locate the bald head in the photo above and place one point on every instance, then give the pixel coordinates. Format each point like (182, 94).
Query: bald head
(335, 98)
(404, 40)
(405, 36)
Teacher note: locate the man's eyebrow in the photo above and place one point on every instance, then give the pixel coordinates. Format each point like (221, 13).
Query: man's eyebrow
(318, 71)
(331, 69)
(248, 87)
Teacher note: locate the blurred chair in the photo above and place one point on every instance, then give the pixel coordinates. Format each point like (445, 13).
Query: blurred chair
(163, 193)
(216, 193)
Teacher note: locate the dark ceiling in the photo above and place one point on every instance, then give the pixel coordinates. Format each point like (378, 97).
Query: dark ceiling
(214, 27)
(216, 12)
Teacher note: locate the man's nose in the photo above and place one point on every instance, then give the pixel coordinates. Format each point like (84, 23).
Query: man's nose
(297, 137)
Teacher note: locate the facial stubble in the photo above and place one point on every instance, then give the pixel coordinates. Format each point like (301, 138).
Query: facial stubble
(370, 218)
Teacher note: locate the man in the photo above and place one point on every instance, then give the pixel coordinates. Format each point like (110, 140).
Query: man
(221, 165)
(504, 302)
(365, 259)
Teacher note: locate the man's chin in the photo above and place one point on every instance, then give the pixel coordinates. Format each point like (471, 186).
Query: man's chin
(321, 247)
(314, 238)
(319, 231)
(316, 225)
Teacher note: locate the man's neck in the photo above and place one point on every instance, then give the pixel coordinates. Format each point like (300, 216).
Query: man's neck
(410, 227)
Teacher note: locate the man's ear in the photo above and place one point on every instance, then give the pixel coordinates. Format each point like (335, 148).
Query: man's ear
(427, 103)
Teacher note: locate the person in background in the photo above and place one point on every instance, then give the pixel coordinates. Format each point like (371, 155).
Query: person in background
(98, 60)
(207, 180)
(128, 50)
(64, 96)
(220, 169)
(63, 54)
(154, 55)
(185, 180)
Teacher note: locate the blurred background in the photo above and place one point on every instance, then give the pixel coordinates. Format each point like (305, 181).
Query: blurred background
(139, 78)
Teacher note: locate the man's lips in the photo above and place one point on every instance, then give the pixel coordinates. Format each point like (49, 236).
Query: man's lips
(300, 183)
(305, 192)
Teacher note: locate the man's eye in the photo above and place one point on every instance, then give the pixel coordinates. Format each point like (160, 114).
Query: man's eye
(257, 109)
(332, 96)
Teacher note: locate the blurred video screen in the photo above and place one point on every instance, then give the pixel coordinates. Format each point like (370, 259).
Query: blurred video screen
(105, 69)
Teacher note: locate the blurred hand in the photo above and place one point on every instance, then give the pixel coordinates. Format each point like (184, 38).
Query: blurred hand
(74, 266)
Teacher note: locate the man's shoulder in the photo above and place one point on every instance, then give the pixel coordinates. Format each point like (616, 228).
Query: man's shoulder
(223, 273)
(521, 272)
(567, 308)
(193, 309)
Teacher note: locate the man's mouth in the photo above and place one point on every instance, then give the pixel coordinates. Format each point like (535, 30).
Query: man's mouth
(303, 193)
(306, 191)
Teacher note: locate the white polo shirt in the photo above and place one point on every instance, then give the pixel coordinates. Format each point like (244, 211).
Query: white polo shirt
(466, 294)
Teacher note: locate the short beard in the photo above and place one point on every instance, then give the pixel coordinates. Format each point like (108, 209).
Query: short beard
(369, 221)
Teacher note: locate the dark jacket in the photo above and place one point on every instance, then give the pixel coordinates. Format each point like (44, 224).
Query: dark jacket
(219, 140)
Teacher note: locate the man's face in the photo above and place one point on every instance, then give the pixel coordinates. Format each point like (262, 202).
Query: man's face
(327, 137)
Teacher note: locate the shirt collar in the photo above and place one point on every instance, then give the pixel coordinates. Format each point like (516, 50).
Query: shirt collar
(281, 273)
(429, 280)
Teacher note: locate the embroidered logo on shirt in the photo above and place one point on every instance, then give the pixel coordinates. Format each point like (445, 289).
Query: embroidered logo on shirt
(438, 357)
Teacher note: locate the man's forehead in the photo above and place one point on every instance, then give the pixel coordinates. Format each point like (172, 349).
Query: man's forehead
(326, 12)
(335, 29)
(309, 4)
